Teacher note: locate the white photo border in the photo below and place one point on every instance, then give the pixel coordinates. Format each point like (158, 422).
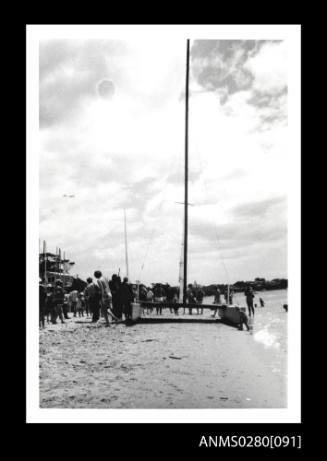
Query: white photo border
(292, 35)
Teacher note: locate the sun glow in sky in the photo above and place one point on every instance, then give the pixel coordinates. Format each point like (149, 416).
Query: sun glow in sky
(112, 134)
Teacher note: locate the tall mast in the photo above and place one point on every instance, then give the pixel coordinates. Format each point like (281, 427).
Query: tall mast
(181, 272)
(126, 251)
(186, 172)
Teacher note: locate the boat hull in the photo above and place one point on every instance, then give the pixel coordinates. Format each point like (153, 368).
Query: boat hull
(231, 314)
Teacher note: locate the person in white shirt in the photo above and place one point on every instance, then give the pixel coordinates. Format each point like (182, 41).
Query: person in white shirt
(73, 296)
(105, 295)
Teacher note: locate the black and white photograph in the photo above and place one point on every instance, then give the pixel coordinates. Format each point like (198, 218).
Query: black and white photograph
(163, 206)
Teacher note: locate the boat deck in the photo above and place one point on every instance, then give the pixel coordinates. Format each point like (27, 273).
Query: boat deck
(171, 305)
(180, 313)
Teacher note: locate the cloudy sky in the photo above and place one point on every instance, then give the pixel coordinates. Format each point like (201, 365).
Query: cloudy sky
(112, 135)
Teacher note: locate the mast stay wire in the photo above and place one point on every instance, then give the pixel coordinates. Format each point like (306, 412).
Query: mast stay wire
(219, 246)
(164, 193)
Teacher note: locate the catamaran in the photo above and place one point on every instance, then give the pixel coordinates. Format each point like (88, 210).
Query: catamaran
(228, 312)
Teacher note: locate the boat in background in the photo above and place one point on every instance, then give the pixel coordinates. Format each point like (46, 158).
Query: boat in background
(53, 266)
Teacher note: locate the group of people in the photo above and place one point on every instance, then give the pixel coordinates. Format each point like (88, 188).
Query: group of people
(99, 298)
(228, 295)
(194, 295)
(114, 299)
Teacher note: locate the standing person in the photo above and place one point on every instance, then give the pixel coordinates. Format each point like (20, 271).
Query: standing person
(73, 301)
(158, 297)
(231, 294)
(170, 297)
(65, 306)
(42, 303)
(262, 303)
(249, 295)
(149, 298)
(126, 296)
(190, 297)
(93, 295)
(49, 301)
(143, 293)
(175, 301)
(58, 300)
(159, 308)
(119, 305)
(86, 304)
(105, 295)
(217, 300)
(114, 285)
(226, 295)
(142, 296)
(80, 304)
(199, 299)
(86, 297)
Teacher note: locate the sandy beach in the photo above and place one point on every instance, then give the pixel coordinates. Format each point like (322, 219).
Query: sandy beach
(163, 365)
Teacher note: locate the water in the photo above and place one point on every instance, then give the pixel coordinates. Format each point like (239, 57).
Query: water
(270, 325)
(270, 320)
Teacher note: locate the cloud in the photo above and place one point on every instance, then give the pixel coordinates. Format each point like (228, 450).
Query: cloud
(269, 67)
(218, 65)
(227, 67)
(255, 209)
(126, 150)
(252, 227)
(70, 72)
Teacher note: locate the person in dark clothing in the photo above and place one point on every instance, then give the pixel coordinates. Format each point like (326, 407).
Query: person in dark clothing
(244, 320)
(170, 297)
(126, 296)
(217, 297)
(42, 303)
(231, 294)
(86, 295)
(175, 301)
(143, 293)
(114, 286)
(159, 294)
(199, 299)
(190, 297)
(93, 295)
(262, 303)
(86, 305)
(249, 295)
(119, 305)
(57, 302)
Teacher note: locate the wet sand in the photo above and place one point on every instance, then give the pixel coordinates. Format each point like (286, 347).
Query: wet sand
(190, 365)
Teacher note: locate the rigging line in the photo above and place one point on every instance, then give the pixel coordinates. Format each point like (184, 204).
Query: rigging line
(178, 179)
(151, 238)
(164, 193)
(219, 246)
